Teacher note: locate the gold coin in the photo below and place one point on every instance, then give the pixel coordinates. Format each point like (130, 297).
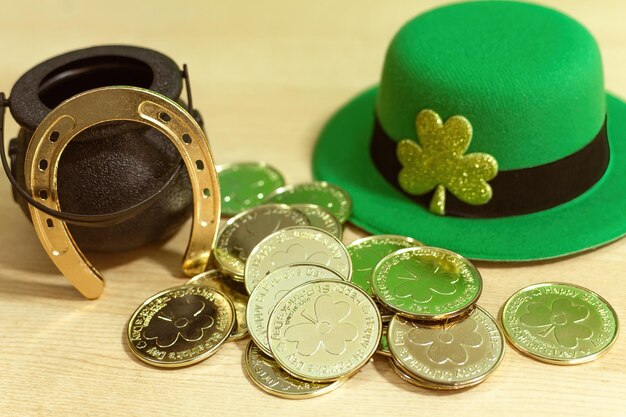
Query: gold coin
(321, 218)
(559, 323)
(237, 293)
(456, 355)
(296, 245)
(243, 232)
(181, 326)
(426, 283)
(324, 330)
(271, 378)
(272, 288)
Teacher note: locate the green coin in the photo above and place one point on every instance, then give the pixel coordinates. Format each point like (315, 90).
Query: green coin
(367, 252)
(559, 323)
(328, 196)
(245, 185)
(426, 283)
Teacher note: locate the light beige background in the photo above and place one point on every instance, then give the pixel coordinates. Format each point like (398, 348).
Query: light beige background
(266, 75)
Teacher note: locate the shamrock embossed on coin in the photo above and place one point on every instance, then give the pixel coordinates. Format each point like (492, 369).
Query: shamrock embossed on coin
(449, 344)
(444, 355)
(183, 317)
(326, 328)
(439, 162)
(563, 320)
(559, 323)
(271, 289)
(181, 326)
(426, 283)
(296, 245)
(425, 280)
(298, 253)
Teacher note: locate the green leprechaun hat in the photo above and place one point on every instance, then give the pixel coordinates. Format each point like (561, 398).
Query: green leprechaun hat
(490, 134)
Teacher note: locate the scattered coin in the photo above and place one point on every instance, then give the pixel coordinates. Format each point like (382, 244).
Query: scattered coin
(559, 323)
(328, 196)
(241, 234)
(296, 245)
(271, 378)
(321, 218)
(367, 252)
(272, 288)
(181, 326)
(237, 293)
(449, 356)
(426, 283)
(246, 184)
(324, 330)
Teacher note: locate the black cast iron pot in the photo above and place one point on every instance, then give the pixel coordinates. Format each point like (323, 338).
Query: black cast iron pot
(111, 166)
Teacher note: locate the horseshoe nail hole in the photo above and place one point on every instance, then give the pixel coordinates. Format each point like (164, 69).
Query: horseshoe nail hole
(165, 117)
(43, 164)
(206, 192)
(50, 223)
(54, 136)
(186, 138)
(199, 165)
(43, 194)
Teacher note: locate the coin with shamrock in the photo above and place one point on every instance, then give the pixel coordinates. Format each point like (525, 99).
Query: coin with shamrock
(181, 326)
(426, 283)
(559, 323)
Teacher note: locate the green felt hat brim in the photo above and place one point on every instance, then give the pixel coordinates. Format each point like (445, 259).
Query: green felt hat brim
(596, 217)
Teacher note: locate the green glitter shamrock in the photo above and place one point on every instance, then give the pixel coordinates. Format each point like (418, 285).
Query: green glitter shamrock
(440, 162)
(562, 318)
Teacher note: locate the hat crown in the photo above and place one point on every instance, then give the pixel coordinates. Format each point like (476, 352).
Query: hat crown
(528, 78)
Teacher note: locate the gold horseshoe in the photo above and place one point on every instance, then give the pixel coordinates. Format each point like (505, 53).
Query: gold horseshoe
(103, 105)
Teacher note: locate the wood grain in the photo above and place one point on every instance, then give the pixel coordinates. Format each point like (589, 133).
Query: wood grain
(266, 76)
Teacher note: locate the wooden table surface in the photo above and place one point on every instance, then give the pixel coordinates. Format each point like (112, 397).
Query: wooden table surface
(266, 76)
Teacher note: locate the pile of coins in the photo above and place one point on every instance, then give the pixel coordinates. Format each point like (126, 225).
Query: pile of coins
(317, 311)
(435, 335)
(283, 277)
(311, 328)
